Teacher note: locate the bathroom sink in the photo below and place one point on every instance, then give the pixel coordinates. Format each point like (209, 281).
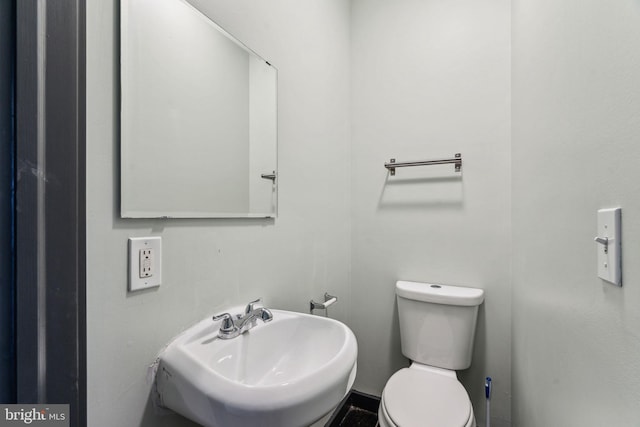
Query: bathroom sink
(290, 371)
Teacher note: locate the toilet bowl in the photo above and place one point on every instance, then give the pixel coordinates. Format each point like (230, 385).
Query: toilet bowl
(437, 331)
(423, 396)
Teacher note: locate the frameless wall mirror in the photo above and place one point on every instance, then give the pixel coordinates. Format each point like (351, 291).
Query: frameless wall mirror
(198, 117)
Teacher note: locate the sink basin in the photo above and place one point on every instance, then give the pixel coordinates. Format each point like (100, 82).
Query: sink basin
(290, 371)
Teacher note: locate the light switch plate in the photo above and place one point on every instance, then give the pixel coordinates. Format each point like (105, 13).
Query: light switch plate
(609, 253)
(145, 262)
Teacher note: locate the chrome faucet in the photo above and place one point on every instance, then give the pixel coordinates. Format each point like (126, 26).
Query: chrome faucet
(231, 329)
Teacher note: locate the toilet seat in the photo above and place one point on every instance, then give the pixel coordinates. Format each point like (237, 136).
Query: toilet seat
(419, 398)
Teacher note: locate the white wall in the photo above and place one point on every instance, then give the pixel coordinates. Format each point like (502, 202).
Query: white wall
(212, 263)
(430, 79)
(576, 122)
(427, 79)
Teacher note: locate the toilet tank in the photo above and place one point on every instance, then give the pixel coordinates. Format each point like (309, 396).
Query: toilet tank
(438, 323)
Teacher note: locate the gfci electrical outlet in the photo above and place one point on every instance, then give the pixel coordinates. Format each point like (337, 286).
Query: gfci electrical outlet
(145, 262)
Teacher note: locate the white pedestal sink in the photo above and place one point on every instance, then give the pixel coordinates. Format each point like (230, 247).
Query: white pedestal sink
(288, 372)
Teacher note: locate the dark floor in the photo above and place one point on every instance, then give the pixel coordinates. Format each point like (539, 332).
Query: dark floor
(358, 417)
(356, 410)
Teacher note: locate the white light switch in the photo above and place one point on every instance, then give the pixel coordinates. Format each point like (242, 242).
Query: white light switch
(145, 262)
(608, 242)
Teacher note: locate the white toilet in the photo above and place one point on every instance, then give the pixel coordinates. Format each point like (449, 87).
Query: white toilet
(437, 329)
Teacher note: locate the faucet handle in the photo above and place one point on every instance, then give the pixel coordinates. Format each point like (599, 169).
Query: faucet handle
(249, 308)
(266, 315)
(227, 322)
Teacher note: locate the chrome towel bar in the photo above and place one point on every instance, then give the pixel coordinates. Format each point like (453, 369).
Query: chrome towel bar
(457, 162)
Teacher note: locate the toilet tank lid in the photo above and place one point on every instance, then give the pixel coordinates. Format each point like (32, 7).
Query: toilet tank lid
(439, 294)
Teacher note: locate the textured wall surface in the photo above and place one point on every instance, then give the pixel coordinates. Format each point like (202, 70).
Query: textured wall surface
(576, 121)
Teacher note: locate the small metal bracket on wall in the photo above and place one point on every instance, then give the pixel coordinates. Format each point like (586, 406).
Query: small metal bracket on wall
(328, 301)
(456, 160)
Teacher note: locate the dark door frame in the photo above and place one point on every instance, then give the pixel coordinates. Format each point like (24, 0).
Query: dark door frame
(50, 205)
(7, 253)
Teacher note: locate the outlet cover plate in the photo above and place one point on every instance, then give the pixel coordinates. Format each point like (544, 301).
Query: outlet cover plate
(136, 245)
